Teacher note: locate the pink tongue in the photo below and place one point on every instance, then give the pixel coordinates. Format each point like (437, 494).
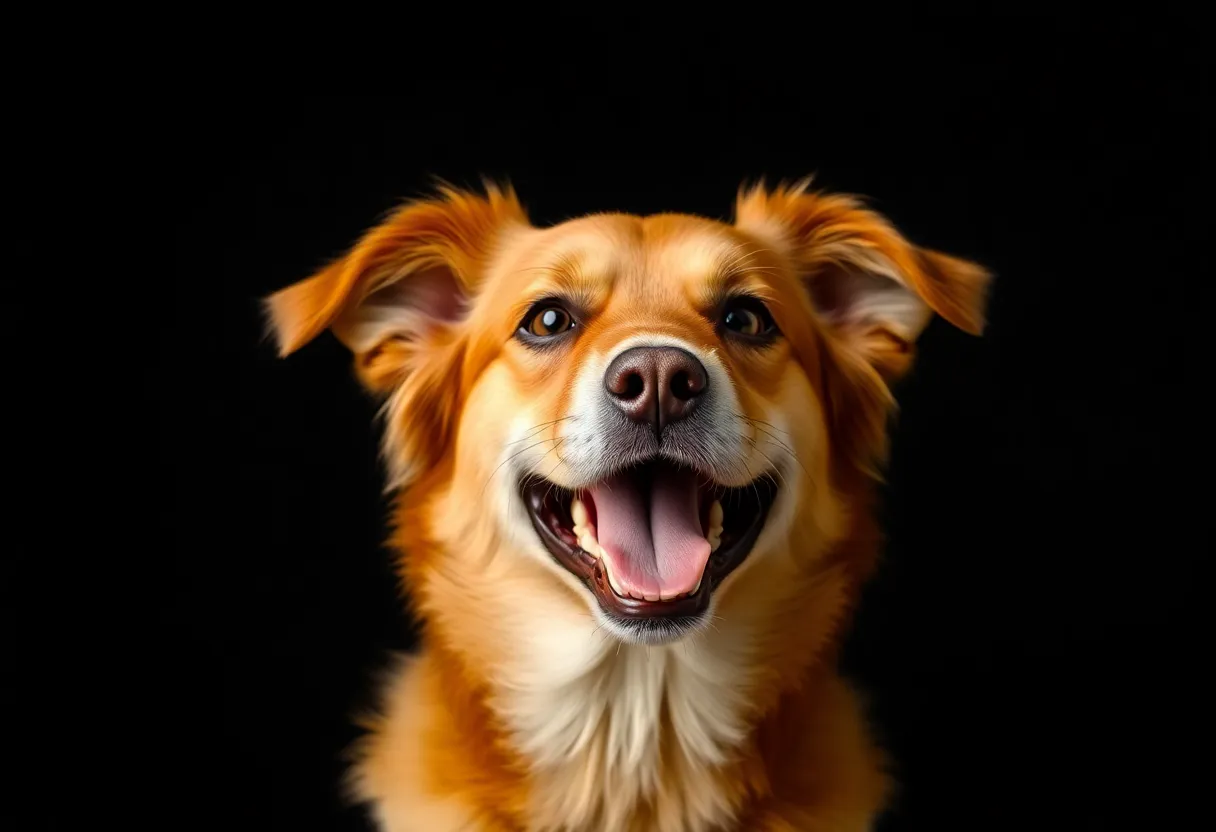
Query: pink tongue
(651, 532)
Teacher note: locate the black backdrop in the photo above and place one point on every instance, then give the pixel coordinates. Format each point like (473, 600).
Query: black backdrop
(1031, 646)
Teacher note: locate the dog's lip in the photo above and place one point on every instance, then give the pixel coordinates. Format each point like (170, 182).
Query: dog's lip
(759, 495)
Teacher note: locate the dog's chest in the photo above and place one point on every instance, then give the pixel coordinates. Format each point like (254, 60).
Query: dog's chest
(629, 739)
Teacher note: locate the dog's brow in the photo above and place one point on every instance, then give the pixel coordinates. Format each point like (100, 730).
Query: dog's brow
(563, 273)
(564, 276)
(732, 267)
(737, 260)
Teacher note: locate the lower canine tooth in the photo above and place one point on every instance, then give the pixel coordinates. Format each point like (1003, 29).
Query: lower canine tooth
(612, 581)
(715, 540)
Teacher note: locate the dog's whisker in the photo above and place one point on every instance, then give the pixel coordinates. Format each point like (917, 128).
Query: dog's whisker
(755, 421)
(788, 451)
(751, 476)
(797, 461)
(775, 441)
(508, 459)
(776, 469)
(549, 477)
(532, 431)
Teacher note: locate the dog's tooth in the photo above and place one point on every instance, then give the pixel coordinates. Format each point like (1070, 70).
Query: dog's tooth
(651, 597)
(584, 533)
(698, 586)
(590, 545)
(588, 540)
(578, 512)
(612, 579)
(714, 533)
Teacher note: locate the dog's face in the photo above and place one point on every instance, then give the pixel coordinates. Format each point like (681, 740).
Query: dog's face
(643, 407)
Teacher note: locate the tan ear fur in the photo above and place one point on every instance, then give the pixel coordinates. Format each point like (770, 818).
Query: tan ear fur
(396, 301)
(449, 238)
(866, 280)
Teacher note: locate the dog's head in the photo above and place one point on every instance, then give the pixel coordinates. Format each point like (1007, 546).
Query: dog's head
(644, 407)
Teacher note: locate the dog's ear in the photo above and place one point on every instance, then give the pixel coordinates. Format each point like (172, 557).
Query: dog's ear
(874, 288)
(875, 291)
(404, 284)
(396, 300)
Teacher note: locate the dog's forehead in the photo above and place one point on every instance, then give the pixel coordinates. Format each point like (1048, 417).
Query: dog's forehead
(610, 252)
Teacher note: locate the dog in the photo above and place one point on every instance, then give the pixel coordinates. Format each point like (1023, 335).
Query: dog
(634, 460)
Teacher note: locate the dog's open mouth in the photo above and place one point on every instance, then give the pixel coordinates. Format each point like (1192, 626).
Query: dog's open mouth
(653, 541)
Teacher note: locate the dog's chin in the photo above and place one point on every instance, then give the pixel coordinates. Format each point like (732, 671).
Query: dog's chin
(731, 532)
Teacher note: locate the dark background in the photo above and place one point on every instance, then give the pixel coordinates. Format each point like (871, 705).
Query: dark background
(1032, 647)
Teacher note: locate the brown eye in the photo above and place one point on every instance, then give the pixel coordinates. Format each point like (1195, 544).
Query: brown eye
(748, 317)
(546, 320)
(744, 321)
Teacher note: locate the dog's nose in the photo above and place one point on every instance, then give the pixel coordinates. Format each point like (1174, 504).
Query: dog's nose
(656, 385)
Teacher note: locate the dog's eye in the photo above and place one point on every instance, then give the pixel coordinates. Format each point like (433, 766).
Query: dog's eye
(546, 320)
(748, 317)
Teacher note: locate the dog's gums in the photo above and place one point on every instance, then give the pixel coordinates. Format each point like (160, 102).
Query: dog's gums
(653, 570)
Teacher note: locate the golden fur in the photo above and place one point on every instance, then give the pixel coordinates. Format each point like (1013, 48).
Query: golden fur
(519, 712)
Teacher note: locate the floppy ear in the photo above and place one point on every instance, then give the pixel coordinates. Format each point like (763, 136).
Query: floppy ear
(396, 301)
(875, 291)
(874, 288)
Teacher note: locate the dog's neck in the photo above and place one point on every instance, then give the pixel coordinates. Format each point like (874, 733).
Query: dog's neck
(596, 735)
(634, 692)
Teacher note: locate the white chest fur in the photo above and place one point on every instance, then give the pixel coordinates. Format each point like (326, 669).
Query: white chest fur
(615, 732)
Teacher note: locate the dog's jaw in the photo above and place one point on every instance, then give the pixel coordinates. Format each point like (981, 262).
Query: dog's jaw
(566, 527)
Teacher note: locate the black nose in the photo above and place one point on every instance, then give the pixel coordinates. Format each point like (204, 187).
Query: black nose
(656, 385)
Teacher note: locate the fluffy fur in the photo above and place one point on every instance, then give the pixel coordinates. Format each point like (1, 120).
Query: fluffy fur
(525, 708)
